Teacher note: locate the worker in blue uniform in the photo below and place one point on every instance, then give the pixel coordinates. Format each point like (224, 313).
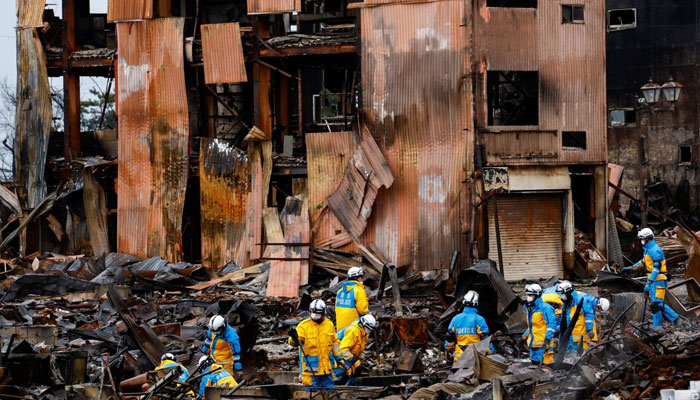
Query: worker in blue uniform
(214, 375)
(583, 330)
(540, 323)
(466, 328)
(223, 345)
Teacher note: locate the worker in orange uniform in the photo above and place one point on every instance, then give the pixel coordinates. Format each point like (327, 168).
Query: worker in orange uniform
(351, 300)
(353, 341)
(466, 328)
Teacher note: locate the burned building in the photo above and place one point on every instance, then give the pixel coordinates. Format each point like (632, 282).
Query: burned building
(649, 42)
(253, 131)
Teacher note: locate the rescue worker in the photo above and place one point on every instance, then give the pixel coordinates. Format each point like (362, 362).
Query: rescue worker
(655, 263)
(583, 331)
(222, 344)
(353, 340)
(555, 302)
(168, 361)
(466, 328)
(540, 323)
(216, 375)
(601, 307)
(318, 343)
(351, 300)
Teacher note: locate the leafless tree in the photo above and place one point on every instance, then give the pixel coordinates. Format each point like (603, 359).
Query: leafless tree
(8, 106)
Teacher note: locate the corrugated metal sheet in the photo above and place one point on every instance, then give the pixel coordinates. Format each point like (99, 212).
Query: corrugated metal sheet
(129, 10)
(327, 155)
(273, 6)
(570, 59)
(222, 51)
(95, 205)
(224, 182)
(517, 146)
(415, 104)
(30, 12)
(32, 118)
(153, 133)
(532, 229)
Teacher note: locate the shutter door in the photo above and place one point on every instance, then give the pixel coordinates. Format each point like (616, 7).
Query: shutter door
(531, 235)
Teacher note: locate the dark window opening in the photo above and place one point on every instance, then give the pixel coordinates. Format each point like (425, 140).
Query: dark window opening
(571, 14)
(622, 19)
(623, 117)
(512, 97)
(686, 154)
(512, 3)
(573, 140)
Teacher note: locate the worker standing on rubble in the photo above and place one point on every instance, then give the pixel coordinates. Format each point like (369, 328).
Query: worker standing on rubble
(222, 344)
(351, 300)
(353, 341)
(317, 341)
(540, 323)
(555, 302)
(655, 263)
(583, 329)
(466, 328)
(215, 375)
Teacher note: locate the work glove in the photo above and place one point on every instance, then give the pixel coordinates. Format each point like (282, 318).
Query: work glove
(590, 334)
(555, 342)
(293, 337)
(342, 363)
(647, 287)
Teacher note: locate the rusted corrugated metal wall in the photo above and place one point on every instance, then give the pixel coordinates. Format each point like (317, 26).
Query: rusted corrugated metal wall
(33, 113)
(153, 133)
(570, 59)
(224, 183)
(129, 10)
(223, 53)
(415, 101)
(273, 6)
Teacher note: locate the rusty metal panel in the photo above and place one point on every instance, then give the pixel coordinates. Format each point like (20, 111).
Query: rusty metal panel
(413, 61)
(224, 182)
(273, 6)
(95, 205)
(129, 10)
(30, 12)
(223, 54)
(507, 38)
(153, 133)
(32, 116)
(514, 147)
(531, 228)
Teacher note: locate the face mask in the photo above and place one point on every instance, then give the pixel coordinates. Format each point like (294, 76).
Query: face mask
(530, 299)
(316, 317)
(564, 297)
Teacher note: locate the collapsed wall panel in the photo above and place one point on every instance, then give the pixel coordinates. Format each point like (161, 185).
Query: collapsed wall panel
(224, 176)
(222, 52)
(153, 133)
(410, 53)
(33, 109)
(129, 10)
(273, 6)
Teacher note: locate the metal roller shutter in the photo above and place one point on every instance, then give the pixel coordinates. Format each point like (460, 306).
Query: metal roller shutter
(531, 235)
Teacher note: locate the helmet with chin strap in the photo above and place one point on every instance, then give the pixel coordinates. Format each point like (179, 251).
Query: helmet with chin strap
(317, 310)
(471, 299)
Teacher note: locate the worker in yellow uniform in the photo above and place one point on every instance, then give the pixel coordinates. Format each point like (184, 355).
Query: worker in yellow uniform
(540, 323)
(583, 331)
(317, 341)
(222, 344)
(555, 301)
(353, 340)
(466, 328)
(168, 361)
(216, 375)
(351, 300)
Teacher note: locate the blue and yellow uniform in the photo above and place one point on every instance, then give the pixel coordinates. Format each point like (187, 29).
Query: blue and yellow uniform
(217, 376)
(224, 349)
(167, 364)
(655, 263)
(353, 341)
(584, 323)
(466, 328)
(319, 344)
(350, 303)
(541, 327)
(556, 303)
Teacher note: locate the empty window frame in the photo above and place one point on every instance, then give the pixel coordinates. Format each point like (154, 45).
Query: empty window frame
(621, 19)
(512, 97)
(623, 117)
(685, 154)
(571, 14)
(573, 140)
(512, 3)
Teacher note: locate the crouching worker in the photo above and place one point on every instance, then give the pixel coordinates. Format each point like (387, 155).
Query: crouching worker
(317, 343)
(215, 375)
(168, 361)
(353, 341)
(466, 328)
(540, 323)
(222, 344)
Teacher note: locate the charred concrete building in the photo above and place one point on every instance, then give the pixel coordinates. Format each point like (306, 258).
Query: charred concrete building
(654, 42)
(264, 130)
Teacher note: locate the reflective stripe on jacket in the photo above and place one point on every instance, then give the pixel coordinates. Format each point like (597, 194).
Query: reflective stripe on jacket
(224, 348)
(350, 303)
(541, 324)
(654, 261)
(353, 344)
(318, 343)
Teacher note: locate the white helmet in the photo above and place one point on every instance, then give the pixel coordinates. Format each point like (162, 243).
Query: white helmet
(317, 310)
(368, 322)
(645, 234)
(532, 292)
(356, 272)
(471, 299)
(564, 289)
(167, 356)
(604, 304)
(202, 360)
(217, 324)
